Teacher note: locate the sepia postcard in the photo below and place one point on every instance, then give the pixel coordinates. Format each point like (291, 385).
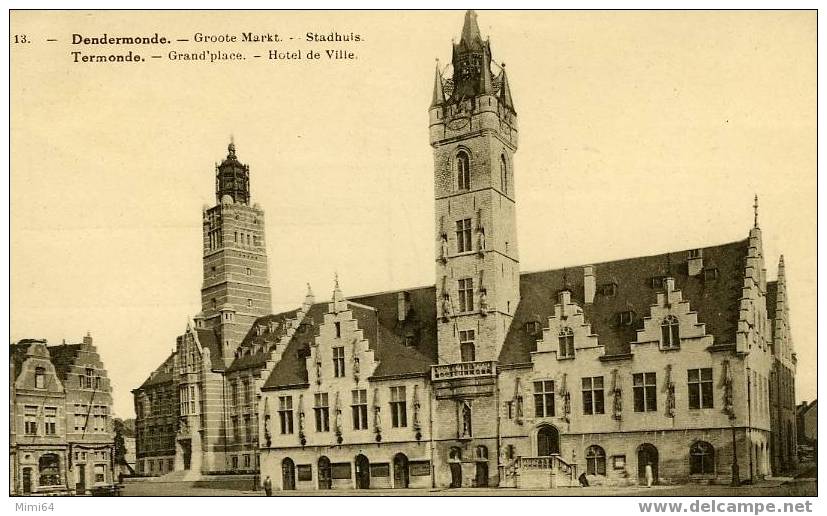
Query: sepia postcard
(414, 253)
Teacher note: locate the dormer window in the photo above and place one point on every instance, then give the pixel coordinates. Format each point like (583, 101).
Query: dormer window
(608, 289)
(625, 318)
(533, 328)
(694, 253)
(658, 282)
(565, 342)
(711, 274)
(670, 333)
(410, 339)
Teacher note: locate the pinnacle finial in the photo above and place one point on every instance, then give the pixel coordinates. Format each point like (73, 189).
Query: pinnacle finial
(669, 264)
(231, 147)
(336, 280)
(755, 208)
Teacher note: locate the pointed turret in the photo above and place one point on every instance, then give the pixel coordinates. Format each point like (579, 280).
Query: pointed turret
(438, 98)
(505, 91)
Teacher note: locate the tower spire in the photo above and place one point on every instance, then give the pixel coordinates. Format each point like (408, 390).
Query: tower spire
(470, 29)
(755, 209)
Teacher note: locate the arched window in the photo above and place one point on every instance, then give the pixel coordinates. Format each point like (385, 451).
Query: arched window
(595, 460)
(503, 173)
(701, 458)
(463, 171)
(49, 469)
(670, 333)
(566, 341)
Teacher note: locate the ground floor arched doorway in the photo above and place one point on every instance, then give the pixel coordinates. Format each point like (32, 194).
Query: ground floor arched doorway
(455, 465)
(362, 472)
(548, 441)
(647, 454)
(400, 471)
(325, 475)
(288, 474)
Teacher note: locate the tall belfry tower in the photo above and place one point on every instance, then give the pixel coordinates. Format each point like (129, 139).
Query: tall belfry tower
(473, 132)
(236, 288)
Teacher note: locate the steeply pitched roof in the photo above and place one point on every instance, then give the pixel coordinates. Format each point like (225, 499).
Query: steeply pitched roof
(772, 297)
(163, 373)
(291, 369)
(63, 356)
(17, 354)
(380, 325)
(209, 340)
(716, 301)
(255, 349)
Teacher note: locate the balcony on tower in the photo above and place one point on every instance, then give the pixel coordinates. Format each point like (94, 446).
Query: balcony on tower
(464, 379)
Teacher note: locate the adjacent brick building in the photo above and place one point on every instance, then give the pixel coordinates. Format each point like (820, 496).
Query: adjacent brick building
(61, 434)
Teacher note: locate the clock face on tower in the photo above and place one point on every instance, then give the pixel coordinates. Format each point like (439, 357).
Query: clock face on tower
(458, 122)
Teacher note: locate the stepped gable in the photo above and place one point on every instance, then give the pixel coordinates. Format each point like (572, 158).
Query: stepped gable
(715, 301)
(378, 319)
(254, 350)
(163, 373)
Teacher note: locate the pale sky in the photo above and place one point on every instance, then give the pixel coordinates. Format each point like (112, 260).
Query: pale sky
(640, 133)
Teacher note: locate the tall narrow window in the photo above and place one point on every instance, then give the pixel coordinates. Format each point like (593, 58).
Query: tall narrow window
(670, 333)
(399, 407)
(236, 437)
(322, 410)
(339, 362)
(248, 393)
(503, 174)
(700, 388)
(466, 345)
(50, 420)
(466, 295)
(593, 396)
(566, 343)
(595, 460)
(544, 398)
(645, 390)
(40, 378)
(463, 171)
(30, 419)
(464, 236)
(286, 414)
(360, 409)
(88, 380)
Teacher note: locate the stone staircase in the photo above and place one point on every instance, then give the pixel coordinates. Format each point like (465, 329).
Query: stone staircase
(548, 472)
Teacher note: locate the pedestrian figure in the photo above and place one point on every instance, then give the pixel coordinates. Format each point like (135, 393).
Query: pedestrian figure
(649, 475)
(268, 486)
(584, 482)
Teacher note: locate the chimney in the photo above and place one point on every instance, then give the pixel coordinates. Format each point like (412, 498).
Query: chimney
(589, 285)
(402, 305)
(695, 262)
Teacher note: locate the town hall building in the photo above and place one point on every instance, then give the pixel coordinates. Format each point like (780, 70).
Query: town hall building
(490, 376)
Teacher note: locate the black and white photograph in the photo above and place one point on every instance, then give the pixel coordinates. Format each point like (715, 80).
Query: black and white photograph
(419, 253)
